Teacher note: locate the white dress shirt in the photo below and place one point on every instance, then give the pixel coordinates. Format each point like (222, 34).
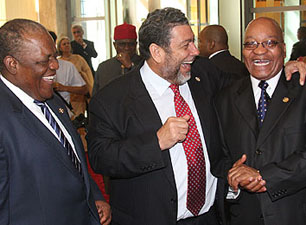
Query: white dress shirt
(28, 101)
(163, 99)
(270, 89)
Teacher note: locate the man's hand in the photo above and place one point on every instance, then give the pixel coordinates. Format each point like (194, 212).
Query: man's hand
(246, 177)
(125, 59)
(296, 66)
(104, 212)
(59, 87)
(174, 130)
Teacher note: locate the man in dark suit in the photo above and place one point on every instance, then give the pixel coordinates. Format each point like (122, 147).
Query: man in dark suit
(263, 122)
(43, 172)
(138, 139)
(213, 43)
(299, 48)
(83, 47)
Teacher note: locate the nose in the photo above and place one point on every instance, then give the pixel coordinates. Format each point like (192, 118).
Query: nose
(260, 49)
(53, 65)
(194, 50)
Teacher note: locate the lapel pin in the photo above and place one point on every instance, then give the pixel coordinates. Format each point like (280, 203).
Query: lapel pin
(61, 110)
(197, 78)
(285, 99)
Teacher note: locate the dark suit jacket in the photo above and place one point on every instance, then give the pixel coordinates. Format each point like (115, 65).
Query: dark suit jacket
(123, 144)
(38, 183)
(86, 53)
(277, 150)
(228, 63)
(298, 49)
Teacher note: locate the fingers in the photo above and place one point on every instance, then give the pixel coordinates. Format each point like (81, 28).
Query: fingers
(173, 131)
(240, 161)
(294, 66)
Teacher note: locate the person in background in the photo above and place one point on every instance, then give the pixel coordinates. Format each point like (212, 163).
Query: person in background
(125, 43)
(83, 47)
(68, 80)
(43, 172)
(262, 118)
(213, 43)
(299, 48)
(78, 101)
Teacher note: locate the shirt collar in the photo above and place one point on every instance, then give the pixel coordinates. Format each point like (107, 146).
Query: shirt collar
(272, 82)
(217, 52)
(150, 77)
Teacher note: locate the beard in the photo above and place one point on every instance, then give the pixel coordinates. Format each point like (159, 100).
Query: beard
(172, 73)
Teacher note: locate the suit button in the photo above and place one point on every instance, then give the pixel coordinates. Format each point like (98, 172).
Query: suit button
(172, 200)
(258, 152)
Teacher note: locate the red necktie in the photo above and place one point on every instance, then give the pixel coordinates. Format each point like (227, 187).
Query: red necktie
(194, 154)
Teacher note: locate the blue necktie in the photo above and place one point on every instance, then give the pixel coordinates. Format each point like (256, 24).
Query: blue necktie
(60, 134)
(263, 102)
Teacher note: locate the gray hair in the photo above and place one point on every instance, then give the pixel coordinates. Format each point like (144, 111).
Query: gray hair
(157, 29)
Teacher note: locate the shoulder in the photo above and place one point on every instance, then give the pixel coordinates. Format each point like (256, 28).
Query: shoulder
(88, 42)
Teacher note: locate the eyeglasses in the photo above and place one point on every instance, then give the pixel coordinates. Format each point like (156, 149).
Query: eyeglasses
(77, 32)
(269, 44)
(128, 44)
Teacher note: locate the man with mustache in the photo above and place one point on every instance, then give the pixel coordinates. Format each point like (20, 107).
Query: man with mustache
(262, 118)
(150, 130)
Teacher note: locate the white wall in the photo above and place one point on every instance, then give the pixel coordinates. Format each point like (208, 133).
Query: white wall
(230, 19)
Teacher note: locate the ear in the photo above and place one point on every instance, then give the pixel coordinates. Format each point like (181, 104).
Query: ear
(157, 53)
(11, 64)
(212, 45)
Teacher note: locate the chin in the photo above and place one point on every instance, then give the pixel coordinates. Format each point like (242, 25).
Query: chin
(183, 78)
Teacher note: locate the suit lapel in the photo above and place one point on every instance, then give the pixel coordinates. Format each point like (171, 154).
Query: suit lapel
(144, 108)
(61, 113)
(245, 104)
(201, 102)
(283, 97)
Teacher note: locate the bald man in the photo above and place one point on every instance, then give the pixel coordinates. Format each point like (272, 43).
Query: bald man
(266, 153)
(213, 43)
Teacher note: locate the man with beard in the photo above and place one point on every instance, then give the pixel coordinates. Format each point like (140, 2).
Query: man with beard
(152, 129)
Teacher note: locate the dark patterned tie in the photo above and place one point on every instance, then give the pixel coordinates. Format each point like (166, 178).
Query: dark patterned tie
(60, 134)
(194, 154)
(263, 102)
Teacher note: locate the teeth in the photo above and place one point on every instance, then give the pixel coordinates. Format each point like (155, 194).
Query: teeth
(261, 62)
(50, 78)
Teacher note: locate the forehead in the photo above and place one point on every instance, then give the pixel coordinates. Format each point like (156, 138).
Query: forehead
(181, 33)
(125, 40)
(263, 29)
(41, 43)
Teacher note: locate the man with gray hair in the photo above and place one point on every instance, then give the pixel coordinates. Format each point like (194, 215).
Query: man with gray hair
(43, 170)
(83, 47)
(151, 130)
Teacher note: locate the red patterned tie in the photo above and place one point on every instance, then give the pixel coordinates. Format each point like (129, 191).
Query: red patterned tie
(194, 154)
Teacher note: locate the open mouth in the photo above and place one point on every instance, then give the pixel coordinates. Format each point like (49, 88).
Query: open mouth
(261, 62)
(49, 79)
(186, 65)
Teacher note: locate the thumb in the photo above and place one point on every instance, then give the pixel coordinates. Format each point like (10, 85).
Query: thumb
(240, 161)
(186, 117)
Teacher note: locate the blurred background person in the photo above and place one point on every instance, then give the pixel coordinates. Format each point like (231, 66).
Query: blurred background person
(299, 48)
(78, 101)
(125, 43)
(213, 43)
(82, 46)
(68, 80)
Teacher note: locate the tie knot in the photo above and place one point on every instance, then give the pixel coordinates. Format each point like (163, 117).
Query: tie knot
(263, 85)
(175, 88)
(42, 105)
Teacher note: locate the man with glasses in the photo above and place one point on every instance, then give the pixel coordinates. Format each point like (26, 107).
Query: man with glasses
(82, 46)
(125, 44)
(263, 122)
